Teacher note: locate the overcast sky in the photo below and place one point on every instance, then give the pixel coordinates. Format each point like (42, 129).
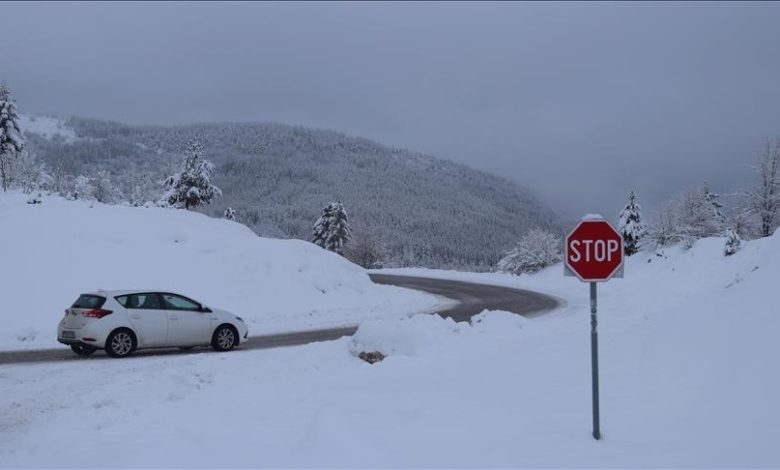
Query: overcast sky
(579, 102)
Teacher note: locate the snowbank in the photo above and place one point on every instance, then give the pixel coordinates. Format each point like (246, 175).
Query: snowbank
(56, 250)
(689, 378)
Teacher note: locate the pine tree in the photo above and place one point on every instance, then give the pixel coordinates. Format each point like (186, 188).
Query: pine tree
(230, 213)
(697, 216)
(733, 242)
(191, 187)
(332, 230)
(11, 139)
(631, 226)
(714, 204)
(535, 251)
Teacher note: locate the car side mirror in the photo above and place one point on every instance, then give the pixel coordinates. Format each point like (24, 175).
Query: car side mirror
(205, 309)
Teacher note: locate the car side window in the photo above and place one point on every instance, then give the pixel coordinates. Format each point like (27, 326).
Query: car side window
(147, 301)
(176, 302)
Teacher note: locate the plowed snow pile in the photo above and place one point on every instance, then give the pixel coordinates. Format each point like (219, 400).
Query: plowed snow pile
(689, 369)
(52, 252)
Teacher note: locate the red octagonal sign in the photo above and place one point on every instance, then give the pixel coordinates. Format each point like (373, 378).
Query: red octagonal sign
(594, 250)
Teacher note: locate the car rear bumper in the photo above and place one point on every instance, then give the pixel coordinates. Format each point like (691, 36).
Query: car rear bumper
(76, 342)
(83, 336)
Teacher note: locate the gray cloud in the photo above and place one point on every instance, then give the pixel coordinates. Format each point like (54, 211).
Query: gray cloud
(580, 102)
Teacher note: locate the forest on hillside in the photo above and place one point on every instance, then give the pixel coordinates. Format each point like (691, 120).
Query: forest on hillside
(424, 211)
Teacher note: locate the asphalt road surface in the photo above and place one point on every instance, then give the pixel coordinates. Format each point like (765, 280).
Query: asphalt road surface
(472, 299)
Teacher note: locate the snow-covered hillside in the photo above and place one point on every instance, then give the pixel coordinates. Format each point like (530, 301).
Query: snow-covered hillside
(689, 378)
(53, 251)
(278, 178)
(47, 127)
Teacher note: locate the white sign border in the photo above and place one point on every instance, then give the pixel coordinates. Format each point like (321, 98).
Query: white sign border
(617, 272)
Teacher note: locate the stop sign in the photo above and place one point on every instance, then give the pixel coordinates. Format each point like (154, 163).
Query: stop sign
(594, 250)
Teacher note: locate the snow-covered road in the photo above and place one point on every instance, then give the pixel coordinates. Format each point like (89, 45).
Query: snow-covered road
(466, 299)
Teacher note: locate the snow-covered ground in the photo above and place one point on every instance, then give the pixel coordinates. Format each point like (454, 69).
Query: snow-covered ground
(689, 378)
(46, 126)
(52, 252)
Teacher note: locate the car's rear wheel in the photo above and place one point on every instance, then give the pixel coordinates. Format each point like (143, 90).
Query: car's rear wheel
(82, 349)
(225, 338)
(120, 343)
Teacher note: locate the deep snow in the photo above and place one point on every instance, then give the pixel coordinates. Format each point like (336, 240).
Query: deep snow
(689, 378)
(56, 250)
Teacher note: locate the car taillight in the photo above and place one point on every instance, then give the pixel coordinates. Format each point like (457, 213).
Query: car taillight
(96, 313)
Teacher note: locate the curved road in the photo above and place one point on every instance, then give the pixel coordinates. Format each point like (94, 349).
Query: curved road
(472, 299)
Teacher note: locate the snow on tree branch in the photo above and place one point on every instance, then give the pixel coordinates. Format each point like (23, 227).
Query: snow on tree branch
(332, 230)
(191, 187)
(535, 251)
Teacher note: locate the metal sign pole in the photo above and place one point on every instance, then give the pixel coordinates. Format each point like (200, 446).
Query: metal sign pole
(594, 359)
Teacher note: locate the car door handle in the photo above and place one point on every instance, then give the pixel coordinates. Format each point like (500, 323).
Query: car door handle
(173, 317)
(135, 317)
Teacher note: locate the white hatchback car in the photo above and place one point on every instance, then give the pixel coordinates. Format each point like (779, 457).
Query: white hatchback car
(122, 321)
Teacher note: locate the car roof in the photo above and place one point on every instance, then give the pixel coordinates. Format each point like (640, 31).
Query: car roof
(115, 293)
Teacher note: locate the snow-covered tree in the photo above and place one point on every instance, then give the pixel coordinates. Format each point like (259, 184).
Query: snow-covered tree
(31, 173)
(141, 192)
(11, 139)
(229, 214)
(535, 251)
(367, 250)
(191, 187)
(715, 205)
(697, 217)
(742, 223)
(83, 188)
(665, 230)
(764, 199)
(733, 242)
(104, 189)
(332, 230)
(631, 227)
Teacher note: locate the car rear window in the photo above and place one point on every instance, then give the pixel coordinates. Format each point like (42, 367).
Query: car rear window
(89, 301)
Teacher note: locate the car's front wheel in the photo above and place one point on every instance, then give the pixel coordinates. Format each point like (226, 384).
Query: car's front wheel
(120, 343)
(225, 338)
(82, 349)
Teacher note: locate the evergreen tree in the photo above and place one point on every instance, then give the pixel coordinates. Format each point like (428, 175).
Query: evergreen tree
(191, 187)
(332, 230)
(535, 251)
(631, 226)
(733, 242)
(714, 204)
(230, 213)
(697, 216)
(11, 139)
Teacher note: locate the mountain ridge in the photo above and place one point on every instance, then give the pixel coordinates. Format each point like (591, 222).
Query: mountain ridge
(427, 210)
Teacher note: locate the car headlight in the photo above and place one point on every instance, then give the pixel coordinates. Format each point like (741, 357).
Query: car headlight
(240, 319)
